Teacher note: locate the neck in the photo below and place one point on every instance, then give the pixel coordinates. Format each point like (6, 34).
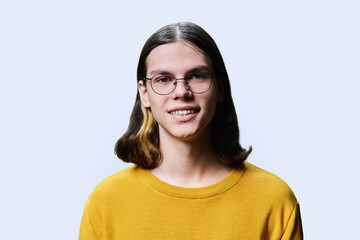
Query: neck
(190, 162)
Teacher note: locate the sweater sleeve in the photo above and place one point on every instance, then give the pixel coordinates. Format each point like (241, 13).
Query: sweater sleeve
(87, 231)
(293, 230)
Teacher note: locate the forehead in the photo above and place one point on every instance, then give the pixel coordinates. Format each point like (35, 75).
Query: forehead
(177, 58)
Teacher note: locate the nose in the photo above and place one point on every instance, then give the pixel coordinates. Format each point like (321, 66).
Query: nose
(181, 89)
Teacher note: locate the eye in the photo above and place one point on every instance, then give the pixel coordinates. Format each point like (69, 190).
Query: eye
(162, 79)
(197, 76)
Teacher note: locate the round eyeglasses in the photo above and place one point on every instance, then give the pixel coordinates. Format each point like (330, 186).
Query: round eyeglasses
(164, 83)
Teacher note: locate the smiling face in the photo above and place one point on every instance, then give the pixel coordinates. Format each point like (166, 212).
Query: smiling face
(181, 114)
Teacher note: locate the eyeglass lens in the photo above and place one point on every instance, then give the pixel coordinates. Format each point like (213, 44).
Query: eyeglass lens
(166, 83)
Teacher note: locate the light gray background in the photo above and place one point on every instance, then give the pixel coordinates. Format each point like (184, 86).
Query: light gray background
(67, 71)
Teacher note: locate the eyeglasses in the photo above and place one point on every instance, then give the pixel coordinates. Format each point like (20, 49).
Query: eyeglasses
(164, 84)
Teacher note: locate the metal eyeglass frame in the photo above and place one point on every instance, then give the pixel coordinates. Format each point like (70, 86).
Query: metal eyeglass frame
(175, 83)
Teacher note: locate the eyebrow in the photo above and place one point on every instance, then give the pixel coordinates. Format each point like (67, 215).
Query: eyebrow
(202, 68)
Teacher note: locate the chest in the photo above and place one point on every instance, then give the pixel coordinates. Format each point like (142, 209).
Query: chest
(169, 218)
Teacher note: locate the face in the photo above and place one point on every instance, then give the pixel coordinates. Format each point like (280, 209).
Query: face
(181, 114)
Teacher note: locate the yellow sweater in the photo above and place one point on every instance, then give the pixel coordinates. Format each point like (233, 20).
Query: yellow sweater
(249, 203)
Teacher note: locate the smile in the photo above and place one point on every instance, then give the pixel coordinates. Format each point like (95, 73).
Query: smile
(183, 112)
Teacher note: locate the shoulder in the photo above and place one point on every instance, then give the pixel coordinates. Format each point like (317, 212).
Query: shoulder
(271, 199)
(124, 175)
(115, 185)
(264, 183)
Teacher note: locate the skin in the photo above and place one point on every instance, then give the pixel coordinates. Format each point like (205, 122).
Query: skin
(188, 159)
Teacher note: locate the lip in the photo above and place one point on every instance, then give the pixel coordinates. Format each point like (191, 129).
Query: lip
(186, 117)
(195, 108)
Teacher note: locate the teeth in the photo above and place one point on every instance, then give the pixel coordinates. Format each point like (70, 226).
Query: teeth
(182, 112)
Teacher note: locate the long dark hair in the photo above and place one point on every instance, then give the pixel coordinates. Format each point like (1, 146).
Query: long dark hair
(140, 143)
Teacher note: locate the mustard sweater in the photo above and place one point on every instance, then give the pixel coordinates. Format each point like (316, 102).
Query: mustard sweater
(249, 203)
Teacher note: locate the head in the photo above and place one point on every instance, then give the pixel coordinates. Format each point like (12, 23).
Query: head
(140, 144)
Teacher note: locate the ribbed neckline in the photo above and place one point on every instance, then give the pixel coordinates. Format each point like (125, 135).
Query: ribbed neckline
(191, 193)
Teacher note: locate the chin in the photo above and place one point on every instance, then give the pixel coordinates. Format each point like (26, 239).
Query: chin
(184, 132)
(188, 135)
(184, 136)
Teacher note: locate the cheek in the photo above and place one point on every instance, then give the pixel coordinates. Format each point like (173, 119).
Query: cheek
(211, 108)
(156, 116)
(214, 99)
(156, 109)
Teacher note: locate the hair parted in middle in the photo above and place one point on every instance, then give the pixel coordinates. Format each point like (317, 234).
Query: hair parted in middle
(140, 143)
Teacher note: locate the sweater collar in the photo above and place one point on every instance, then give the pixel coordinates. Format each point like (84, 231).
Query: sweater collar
(218, 188)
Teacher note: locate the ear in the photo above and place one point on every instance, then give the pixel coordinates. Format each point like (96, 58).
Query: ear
(220, 91)
(144, 96)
